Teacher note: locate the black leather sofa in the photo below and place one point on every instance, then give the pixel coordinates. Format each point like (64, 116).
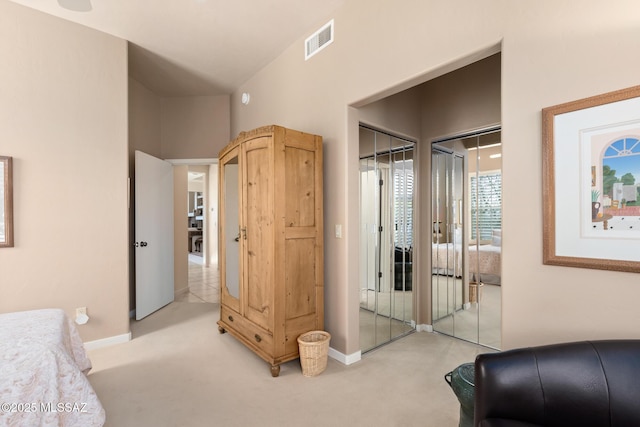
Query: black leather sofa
(580, 384)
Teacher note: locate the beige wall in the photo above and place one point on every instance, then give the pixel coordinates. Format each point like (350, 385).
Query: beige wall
(463, 100)
(399, 114)
(194, 127)
(63, 118)
(555, 53)
(551, 53)
(144, 121)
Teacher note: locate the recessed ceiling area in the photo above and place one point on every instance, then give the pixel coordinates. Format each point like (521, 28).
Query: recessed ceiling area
(197, 47)
(195, 176)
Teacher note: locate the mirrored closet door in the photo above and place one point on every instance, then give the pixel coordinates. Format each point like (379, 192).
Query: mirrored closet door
(448, 288)
(466, 190)
(386, 237)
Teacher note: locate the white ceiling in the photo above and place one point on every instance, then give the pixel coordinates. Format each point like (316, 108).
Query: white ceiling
(197, 47)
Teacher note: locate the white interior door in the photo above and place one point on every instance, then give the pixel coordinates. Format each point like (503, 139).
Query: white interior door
(154, 234)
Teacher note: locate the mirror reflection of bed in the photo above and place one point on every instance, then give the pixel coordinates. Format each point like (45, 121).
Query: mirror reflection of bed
(483, 259)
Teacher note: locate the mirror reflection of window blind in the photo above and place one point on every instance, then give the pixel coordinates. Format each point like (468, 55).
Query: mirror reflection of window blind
(486, 204)
(403, 203)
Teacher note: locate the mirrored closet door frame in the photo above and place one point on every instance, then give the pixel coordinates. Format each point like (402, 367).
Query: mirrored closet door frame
(386, 237)
(466, 248)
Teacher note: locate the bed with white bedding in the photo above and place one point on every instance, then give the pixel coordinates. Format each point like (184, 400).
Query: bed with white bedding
(446, 259)
(484, 262)
(43, 372)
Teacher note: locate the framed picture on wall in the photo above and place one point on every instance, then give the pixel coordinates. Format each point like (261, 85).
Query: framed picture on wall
(591, 182)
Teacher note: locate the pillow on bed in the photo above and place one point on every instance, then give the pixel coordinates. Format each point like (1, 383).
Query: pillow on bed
(496, 237)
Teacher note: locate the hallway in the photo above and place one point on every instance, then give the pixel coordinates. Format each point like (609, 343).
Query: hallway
(204, 282)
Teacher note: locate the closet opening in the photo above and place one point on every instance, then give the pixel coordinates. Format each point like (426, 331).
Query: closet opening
(430, 114)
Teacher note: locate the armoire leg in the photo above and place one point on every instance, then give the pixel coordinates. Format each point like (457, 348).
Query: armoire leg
(275, 371)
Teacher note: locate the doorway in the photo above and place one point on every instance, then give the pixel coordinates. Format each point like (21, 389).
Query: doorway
(386, 238)
(466, 199)
(197, 237)
(196, 197)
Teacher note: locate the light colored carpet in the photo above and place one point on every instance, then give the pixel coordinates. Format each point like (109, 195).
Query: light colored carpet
(179, 371)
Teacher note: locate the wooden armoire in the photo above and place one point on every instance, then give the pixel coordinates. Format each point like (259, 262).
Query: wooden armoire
(271, 240)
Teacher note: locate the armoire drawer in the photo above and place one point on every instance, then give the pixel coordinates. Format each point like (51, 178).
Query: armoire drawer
(249, 330)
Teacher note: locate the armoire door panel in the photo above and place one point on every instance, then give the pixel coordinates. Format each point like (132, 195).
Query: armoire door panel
(300, 277)
(300, 187)
(258, 226)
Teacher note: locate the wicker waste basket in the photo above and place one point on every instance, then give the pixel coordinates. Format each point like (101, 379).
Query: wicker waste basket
(475, 291)
(314, 350)
(461, 380)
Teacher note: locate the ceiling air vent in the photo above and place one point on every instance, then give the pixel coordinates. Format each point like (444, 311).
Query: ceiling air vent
(318, 40)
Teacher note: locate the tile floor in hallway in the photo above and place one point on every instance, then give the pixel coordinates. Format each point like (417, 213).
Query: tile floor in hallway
(204, 282)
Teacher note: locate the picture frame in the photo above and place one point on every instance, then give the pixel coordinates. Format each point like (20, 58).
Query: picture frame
(6, 199)
(591, 182)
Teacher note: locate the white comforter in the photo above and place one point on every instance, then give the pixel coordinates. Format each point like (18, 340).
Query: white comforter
(43, 367)
(447, 260)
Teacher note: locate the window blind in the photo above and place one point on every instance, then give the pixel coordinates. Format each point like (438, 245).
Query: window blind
(403, 203)
(486, 204)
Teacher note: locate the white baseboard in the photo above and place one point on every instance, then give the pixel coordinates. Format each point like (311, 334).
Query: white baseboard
(424, 328)
(346, 359)
(106, 342)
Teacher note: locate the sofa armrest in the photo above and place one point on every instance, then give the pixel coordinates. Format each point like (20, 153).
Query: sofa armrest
(507, 386)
